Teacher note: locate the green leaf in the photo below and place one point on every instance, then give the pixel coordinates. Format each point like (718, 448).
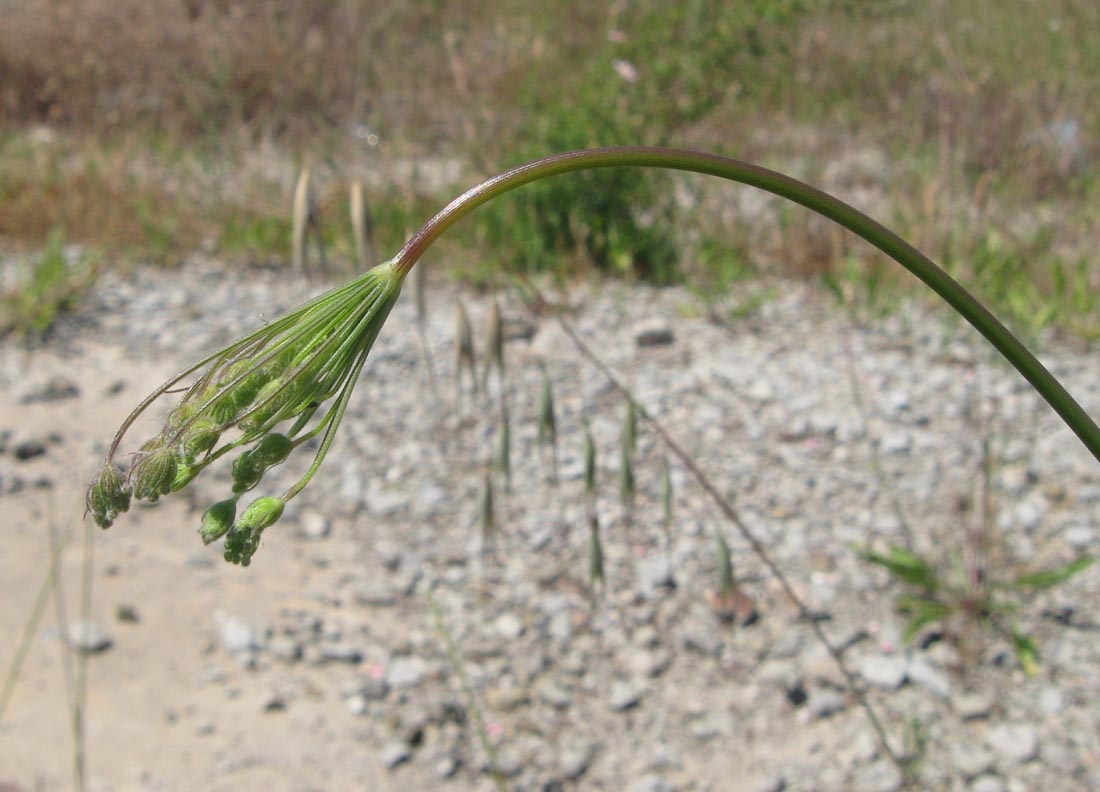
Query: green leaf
(922, 611)
(1052, 577)
(1027, 652)
(829, 280)
(907, 566)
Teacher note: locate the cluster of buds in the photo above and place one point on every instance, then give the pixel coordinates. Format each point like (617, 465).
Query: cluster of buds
(263, 396)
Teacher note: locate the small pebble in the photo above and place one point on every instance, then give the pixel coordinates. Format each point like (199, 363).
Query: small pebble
(1017, 742)
(395, 753)
(87, 638)
(652, 333)
(624, 695)
(886, 672)
(987, 783)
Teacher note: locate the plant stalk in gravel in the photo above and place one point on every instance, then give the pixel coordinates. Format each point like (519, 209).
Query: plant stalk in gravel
(262, 395)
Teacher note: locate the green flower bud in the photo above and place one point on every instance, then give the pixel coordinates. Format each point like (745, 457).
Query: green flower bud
(243, 538)
(217, 520)
(154, 474)
(152, 444)
(200, 437)
(178, 417)
(272, 450)
(244, 393)
(107, 495)
(225, 410)
(185, 473)
(271, 399)
(246, 473)
(261, 513)
(232, 371)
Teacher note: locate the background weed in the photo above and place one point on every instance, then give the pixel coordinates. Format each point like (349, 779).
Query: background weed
(52, 285)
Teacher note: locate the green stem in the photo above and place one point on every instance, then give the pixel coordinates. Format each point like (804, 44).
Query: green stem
(799, 192)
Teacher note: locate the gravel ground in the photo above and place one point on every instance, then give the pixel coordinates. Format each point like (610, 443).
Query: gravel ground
(322, 666)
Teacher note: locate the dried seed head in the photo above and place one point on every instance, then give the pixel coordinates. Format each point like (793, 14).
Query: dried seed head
(595, 552)
(217, 520)
(726, 581)
(589, 462)
(666, 495)
(108, 495)
(626, 477)
(548, 430)
(153, 474)
(243, 538)
(494, 344)
(464, 345)
(630, 427)
(503, 460)
(487, 514)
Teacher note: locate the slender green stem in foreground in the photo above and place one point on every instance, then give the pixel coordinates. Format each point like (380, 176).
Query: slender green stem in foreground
(459, 667)
(11, 676)
(799, 192)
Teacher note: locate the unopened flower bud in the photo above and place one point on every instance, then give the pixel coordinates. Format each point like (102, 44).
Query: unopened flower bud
(154, 474)
(246, 473)
(225, 410)
(261, 513)
(269, 400)
(200, 437)
(185, 473)
(244, 392)
(107, 495)
(243, 539)
(217, 520)
(178, 417)
(272, 450)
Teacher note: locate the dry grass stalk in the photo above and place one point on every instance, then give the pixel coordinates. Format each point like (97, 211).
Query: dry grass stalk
(627, 483)
(464, 352)
(306, 221)
(666, 503)
(596, 573)
(487, 513)
(494, 347)
(548, 425)
(361, 227)
(300, 221)
(589, 467)
(630, 428)
(503, 458)
(728, 601)
(420, 295)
